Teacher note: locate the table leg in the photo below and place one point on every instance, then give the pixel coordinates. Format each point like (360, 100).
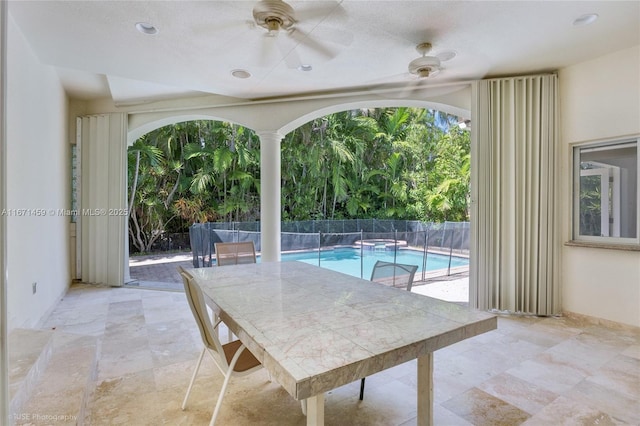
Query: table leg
(425, 390)
(315, 410)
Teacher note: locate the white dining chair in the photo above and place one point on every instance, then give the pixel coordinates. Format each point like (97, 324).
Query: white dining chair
(232, 359)
(397, 275)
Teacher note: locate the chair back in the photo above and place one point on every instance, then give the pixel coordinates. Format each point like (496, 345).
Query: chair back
(203, 320)
(394, 274)
(235, 253)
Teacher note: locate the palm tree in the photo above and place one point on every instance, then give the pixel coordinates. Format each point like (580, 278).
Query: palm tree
(395, 163)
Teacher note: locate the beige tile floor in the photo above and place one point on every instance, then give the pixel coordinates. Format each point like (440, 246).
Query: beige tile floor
(124, 356)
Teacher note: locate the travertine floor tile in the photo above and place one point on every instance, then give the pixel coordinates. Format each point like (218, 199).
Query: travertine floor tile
(124, 356)
(569, 412)
(520, 393)
(480, 408)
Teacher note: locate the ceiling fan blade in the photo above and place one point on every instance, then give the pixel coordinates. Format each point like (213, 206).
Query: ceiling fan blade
(446, 55)
(233, 32)
(275, 49)
(289, 55)
(319, 11)
(267, 51)
(304, 39)
(332, 34)
(411, 86)
(395, 86)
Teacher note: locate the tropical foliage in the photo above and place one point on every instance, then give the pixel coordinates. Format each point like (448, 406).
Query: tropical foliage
(399, 163)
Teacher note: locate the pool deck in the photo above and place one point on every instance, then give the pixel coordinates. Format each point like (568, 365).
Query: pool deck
(160, 271)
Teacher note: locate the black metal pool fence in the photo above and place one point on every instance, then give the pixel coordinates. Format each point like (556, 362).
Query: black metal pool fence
(449, 238)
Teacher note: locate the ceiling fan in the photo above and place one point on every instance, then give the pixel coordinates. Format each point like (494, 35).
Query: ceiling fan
(427, 66)
(422, 68)
(274, 15)
(278, 17)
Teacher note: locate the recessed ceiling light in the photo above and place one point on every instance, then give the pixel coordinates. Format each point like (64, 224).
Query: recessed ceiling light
(585, 19)
(305, 67)
(146, 28)
(241, 73)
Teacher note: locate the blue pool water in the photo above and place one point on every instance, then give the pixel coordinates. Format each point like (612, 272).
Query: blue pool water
(347, 260)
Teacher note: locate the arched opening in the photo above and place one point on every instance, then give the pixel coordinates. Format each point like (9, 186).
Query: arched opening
(359, 163)
(183, 173)
(377, 162)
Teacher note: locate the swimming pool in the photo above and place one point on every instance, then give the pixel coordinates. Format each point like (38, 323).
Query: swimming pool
(347, 260)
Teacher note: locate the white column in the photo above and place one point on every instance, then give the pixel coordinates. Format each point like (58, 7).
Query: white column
(270, 203)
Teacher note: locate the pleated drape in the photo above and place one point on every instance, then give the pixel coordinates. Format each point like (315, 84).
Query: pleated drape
(515, 195)
(102, 216)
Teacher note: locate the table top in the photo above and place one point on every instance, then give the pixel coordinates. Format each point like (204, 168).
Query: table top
(315, 329)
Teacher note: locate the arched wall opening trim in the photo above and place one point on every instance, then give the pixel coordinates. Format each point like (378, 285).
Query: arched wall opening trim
(280, 118)
(283, 116)
(289, 127)
(180, 117)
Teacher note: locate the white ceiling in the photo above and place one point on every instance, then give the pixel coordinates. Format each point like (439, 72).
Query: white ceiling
(351, 43)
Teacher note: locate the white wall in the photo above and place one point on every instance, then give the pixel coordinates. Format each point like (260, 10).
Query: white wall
(599, 99)
(37, 178)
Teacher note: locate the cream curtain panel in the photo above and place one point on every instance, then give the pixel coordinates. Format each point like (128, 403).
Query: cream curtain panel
(103, 198)
(4, 332)
(514, 195)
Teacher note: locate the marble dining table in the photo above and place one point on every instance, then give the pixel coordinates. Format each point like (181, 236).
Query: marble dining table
(315, 329)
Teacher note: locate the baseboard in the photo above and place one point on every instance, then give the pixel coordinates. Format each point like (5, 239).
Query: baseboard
(600, 321)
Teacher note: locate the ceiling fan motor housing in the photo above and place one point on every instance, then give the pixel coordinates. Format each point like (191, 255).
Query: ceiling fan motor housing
(426, 66)
(273, 15)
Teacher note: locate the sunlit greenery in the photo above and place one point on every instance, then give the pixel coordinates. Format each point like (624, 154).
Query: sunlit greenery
(394, 163)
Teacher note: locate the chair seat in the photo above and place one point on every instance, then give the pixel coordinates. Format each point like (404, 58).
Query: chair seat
(246, 361)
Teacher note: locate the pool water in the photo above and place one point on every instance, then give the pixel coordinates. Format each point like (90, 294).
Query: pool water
(347, 260)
